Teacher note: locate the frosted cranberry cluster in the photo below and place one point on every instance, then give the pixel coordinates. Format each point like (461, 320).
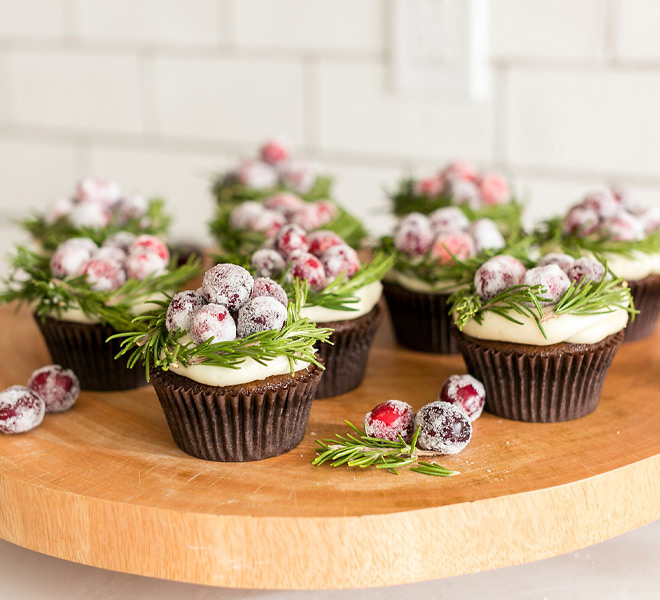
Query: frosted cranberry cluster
(122, 256)
(229, 304)
(445, 233)
(97, 202)
(319, 257)
(275, 166)
(50, 389)
(610, 214)
(553, 272)
(444, 425)
(461, 182)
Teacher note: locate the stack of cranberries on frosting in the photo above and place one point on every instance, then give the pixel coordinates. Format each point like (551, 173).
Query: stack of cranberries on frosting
(254, 410)
(418, 288)
(608, 223)
(322, 258)
(540, 357)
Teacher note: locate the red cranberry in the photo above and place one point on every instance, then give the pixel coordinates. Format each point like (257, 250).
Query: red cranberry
(212, 321)
(150, 243)
(257, 174)
(80, 242)
(228, 284)
(104, 275)
(268, 263)
(450, 246)
(621, 195)
(243, 214)
(623, 227)
(486, 235)
(121, 240)
(268, 222)
(182, 308)
(580, 221)
(413, 235)
(497, 275)
(58, 209)
(98, 190)
(276, 150)
(89, 214)
(389, 420)
(443, 428)
(494, 190)
(649, 218)
(307, 266)
(511, 263)
(291, 238)
(140, 265)
(460, 169)
(68, 261)
(130, 207)
(448, 220)
(285, 202)
(265, 286)
(314, 215)
(58, 387)
(586, 269)
(429, 187)
(21, 409)
(340, 259)
(553, 280)
(262, 313)
(464, 192)
(298, 175)
(602, 202)
(466, 392)
(110, 253)
(563, 261)
(319, 241)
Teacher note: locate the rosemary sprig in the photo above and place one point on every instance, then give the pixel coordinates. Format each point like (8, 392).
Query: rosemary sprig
(231, 192)
(156, 222)
(31, 282)
(364, 451)
(152, 344)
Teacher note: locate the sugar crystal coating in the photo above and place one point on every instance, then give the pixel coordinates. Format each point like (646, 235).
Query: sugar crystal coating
(563, 261)
(429, 186)
(265, 286)
(586, 269)
(319, 241)
(182, 308)
(140, 265)
(228, 284)
(268, 263)
(68, 261)
(314, 215)
(276, 150)
(82, 242)
(284, 202)
(298, 174)
(486, 235)
(448, 219)
(212, 321)
(603, 202)
(443, 428)
(464, 192)
(121, 239)
(580, 221)
(291, 238)
(257, 174)
(450, 246)
(340, 259)
(150, 243)
(262, 313)
(622, 227)
(268, 222)
(59, 388)
(494, 190)
(553, 280)
(89, 214)
(466, 392)
(496, 275)
(97, 190)
(110, 252)
(389, 420)
(243, 214)
(21, 409)
(130, 207)
(104, 274)
(307, 266)
(649, 218)
(414, 235)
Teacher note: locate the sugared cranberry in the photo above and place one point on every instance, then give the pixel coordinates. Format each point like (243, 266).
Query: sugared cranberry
(257, 174)
(622, 227)
(182, 308)
(58, 387)
(649, 218)
(268, 222)
(602, 202)
(212, 321)
(414, 235)
(97, 189)
(262, 313)
(340, 259)
(80, 242)
(464, 192)
(228, 284)
(265, 286)
(430, 187)
(268, 263)
(130, 207)
(466, 392)
(563, 261)
(553, 280)
(285, 202)
(298, 175)
(21, 409)
(110, 252)
(450, 246)
(460, 169)
(58, 209)
(307, 266)
(586, 269)
(486, 235)
(89, 214)
(150, 243)
(319, 241)
(140, 265)
(448, 220)
(580, 221)
(389, 420)
(497, 275)
(121, 239)
(291, 238)
(104, 274)
(443, 428)
(494, 190)
(276, 150)
(68, 261)
(314, 215)
(243, 214)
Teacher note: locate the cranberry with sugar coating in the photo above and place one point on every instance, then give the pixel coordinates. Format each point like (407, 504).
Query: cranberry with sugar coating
(182, 308)
(21, 409)
(262, 313)
(443, 427)
(212, 321)
(58, 387)
(466, 392)
(389, 420)
(228, 284)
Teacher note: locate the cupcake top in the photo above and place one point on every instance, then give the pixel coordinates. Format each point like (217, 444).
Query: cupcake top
(558, 299)
(341, 287)
(607, 223)
(97, 209)
(83, 282)
(233, 329)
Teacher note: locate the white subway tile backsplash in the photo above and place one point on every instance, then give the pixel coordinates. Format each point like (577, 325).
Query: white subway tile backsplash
(180, 22)
(76, 90)
(604, 121)
(359, 113)
(32, 18)
(637, 30)
(315, 25)
(230, 99)
(6, 104)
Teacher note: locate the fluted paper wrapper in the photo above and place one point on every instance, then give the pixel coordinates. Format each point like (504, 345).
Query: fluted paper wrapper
(237, 423)
(82, 347)
(540, 384)
(421, 321)
(646, 296)
(346, 359)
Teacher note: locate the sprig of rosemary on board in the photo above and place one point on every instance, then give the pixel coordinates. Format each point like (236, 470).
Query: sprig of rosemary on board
(364, 451)
(31, 282)
(152, 344)
(155, 222)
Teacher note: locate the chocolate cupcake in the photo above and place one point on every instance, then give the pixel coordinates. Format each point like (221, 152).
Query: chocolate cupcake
(541, 340)
(233, 365)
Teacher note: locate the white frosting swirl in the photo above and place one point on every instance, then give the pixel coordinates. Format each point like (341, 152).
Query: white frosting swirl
(76, 315)
(368, 296)
(637, 266)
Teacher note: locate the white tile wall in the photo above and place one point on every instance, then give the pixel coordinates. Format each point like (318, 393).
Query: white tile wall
(638, 30)
(6, 103)
(32, 18)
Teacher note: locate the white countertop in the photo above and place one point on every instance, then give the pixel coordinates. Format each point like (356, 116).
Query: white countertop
(618, 569)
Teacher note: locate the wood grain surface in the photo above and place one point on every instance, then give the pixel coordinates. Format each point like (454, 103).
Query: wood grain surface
(104, 484)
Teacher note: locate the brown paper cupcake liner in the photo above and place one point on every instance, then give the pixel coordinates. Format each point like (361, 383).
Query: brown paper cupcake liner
(646, 296)
(237, 423)
(83, 348)
(421, 321)
(540, 384)
(346, 359)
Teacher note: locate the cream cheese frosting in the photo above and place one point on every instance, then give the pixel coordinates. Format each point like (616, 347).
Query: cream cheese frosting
(368, 296)
(637, 266)
(413, 284)
(76, 315)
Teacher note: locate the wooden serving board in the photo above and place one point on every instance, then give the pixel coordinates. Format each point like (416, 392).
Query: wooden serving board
(104, 485)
